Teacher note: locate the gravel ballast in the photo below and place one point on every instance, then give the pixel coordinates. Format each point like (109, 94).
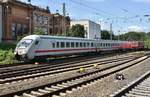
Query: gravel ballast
(108, 85)
(16, 86)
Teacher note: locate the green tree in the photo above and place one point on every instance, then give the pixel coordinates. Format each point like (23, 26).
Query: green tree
(106, 35)
(39, 31)
(77, 31)
(135, 36)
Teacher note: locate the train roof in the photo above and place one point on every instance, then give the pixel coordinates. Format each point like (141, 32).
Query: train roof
(63, 37)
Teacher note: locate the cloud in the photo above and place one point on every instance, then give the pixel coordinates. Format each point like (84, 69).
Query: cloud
(146, 1)
(136, 28)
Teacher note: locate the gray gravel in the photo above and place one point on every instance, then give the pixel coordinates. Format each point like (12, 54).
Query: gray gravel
(108, 85)
(26, 84)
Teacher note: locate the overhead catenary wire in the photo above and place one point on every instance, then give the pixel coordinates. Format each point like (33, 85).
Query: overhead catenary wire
(101, 12)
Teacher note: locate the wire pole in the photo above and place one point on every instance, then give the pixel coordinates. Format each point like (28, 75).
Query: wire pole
(110, 31)
(64, 18)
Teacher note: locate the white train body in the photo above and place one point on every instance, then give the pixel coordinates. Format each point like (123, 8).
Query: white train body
(34, 46)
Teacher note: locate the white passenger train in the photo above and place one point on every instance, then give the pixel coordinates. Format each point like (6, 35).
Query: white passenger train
(36, 46)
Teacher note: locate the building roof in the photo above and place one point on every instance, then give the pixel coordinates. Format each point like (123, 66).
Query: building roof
(23, 4)
(84, 20)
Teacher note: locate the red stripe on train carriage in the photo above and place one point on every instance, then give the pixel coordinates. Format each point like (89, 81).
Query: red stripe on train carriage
(44, 51)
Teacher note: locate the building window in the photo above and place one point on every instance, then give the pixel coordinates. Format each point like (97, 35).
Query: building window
(19, 29)
(24, 29)
(51, 31)
(14, 30)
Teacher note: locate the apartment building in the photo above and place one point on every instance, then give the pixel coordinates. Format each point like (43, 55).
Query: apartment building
(19, 18)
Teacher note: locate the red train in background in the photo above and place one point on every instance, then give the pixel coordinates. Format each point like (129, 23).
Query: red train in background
(133, 45)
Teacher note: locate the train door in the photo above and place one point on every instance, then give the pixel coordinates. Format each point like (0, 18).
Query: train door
(96, 47)
(54, 46)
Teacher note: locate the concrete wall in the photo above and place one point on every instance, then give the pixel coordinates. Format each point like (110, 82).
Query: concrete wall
(0, 23)
(92, 28)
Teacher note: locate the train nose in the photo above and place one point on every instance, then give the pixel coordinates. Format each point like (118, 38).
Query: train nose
(21, 57)
(17, 56)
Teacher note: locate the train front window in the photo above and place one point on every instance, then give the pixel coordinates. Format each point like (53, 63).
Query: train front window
(25, 43)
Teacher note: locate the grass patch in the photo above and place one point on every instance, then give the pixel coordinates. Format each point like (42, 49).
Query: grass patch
(6, 53)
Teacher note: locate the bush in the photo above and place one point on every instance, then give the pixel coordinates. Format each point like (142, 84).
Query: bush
(39, 31)
(2, 55)
(7, 57)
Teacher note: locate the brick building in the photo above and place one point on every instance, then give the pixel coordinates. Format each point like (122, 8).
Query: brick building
(19, 18)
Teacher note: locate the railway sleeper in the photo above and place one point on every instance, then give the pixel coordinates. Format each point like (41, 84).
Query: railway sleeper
(50, 89)
(28, 95)
(143, 88)
(133, 95)
(141, 91)
(43, 91)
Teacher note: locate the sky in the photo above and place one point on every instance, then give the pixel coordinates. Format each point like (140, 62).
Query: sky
(124, 15)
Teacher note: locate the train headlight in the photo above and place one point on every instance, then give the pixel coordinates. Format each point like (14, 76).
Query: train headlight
(15, 53)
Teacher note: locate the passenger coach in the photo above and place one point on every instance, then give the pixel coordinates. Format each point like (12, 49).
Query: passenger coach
(35, 46)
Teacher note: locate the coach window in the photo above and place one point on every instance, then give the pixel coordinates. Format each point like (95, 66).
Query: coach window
(62, 44)
(92, 44)
(108, 44)
(67, 44)
(72, 44)
(77, 44)
(53, 45)
(104, 44)
(100, 44)
(88, 44)
(84, 44)
(80, 44)
(57, 44)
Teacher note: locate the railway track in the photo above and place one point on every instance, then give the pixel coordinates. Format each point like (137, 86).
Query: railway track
(138, 88)
(15, 76)
(58, 87)
(23, 66)
(58, 61)
(50, 65)
(53, 63)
